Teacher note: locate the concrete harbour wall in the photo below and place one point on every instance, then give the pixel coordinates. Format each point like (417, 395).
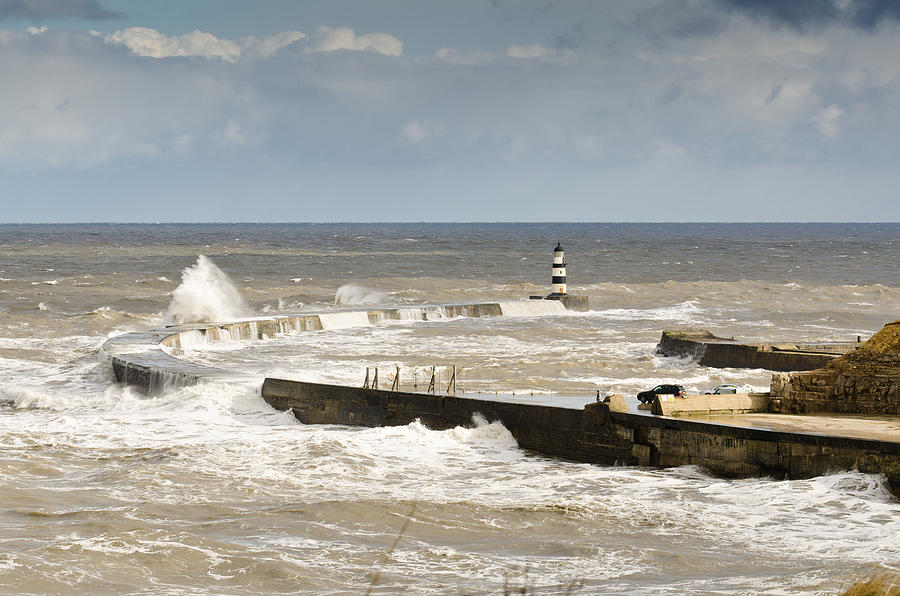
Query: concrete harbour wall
(702, 405)
(596, 434)
(719, 352)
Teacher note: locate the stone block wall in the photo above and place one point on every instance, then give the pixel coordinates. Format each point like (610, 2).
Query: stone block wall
(865, 381)
(825, 390)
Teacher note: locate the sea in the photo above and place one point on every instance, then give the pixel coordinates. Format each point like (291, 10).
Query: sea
(207, 490)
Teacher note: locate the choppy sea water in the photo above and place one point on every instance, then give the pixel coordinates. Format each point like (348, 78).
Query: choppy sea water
(208, 490)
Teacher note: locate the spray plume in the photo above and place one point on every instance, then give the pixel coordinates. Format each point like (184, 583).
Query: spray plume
(206, 294)
(355, 294)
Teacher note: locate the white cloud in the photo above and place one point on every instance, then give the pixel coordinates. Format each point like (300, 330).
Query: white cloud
(468, 58)
(533, 51)
(327, 39)
(144, 41)
(37, 30)
(74, 102)
(268, 46)
(827, 120)
(417, 132)
(74, 99)
(237, 133)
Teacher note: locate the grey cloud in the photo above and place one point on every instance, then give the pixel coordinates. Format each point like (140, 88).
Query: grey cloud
(776, 91)
(671, 93)
(871, 13)
(798, 14)
(803, 15)
(679, 19)
(46, 10)
(571, 38)
(686, 19)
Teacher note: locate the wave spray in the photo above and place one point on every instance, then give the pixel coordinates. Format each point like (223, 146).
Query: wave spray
(206, 294)
(357, 295)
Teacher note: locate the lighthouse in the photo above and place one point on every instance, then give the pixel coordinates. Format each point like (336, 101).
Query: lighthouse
(558, 284)
(558, 280)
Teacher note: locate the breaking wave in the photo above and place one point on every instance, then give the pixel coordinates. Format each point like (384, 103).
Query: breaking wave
(206, 294)
(355, 294)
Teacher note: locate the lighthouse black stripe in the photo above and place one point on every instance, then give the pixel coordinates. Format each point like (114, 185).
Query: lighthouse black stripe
(555, 265)
(559, 279)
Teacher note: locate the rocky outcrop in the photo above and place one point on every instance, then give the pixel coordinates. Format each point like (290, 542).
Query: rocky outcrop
(865, 381)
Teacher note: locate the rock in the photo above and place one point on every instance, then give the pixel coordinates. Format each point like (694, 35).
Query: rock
(616, 403)
(865, 381)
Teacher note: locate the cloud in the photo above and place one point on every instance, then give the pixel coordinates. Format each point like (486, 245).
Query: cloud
(827, 120)
(268, 46)
(803, 15)
(144, 41)
(417, 132)
(571, 38)
(798, 14)
(533, 51)
(685, 19)
(330, 96)
(327, 39)
(45, 10)
(238, 133)
(464, 58)
(76, 102)
(679, 19)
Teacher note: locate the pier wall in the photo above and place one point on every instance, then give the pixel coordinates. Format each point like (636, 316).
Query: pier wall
(824, 391)
(142, 359)
(718, 352)
(596, 434)
(704, 405)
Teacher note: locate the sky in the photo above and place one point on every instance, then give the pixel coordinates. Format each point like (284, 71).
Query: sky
(463, 110)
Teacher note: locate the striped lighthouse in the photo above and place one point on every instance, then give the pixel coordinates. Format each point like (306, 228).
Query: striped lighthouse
(559, 271)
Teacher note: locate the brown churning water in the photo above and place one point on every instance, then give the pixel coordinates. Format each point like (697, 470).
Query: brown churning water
(207, 490)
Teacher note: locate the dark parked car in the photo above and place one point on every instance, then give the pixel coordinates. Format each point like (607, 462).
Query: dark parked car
(645, 397)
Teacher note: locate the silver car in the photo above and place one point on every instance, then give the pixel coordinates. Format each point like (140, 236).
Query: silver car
(722, 389)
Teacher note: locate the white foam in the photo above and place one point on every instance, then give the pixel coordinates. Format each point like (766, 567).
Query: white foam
(482, 432)
(344, 320)
(206, 294)
(531, 308)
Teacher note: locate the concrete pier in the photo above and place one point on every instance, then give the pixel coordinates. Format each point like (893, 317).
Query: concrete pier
(141, 359)
(720, 352)
(596, 434)
(591, 433)
(705, 405)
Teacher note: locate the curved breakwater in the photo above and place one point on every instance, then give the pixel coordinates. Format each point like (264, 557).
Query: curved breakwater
(141, 358)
